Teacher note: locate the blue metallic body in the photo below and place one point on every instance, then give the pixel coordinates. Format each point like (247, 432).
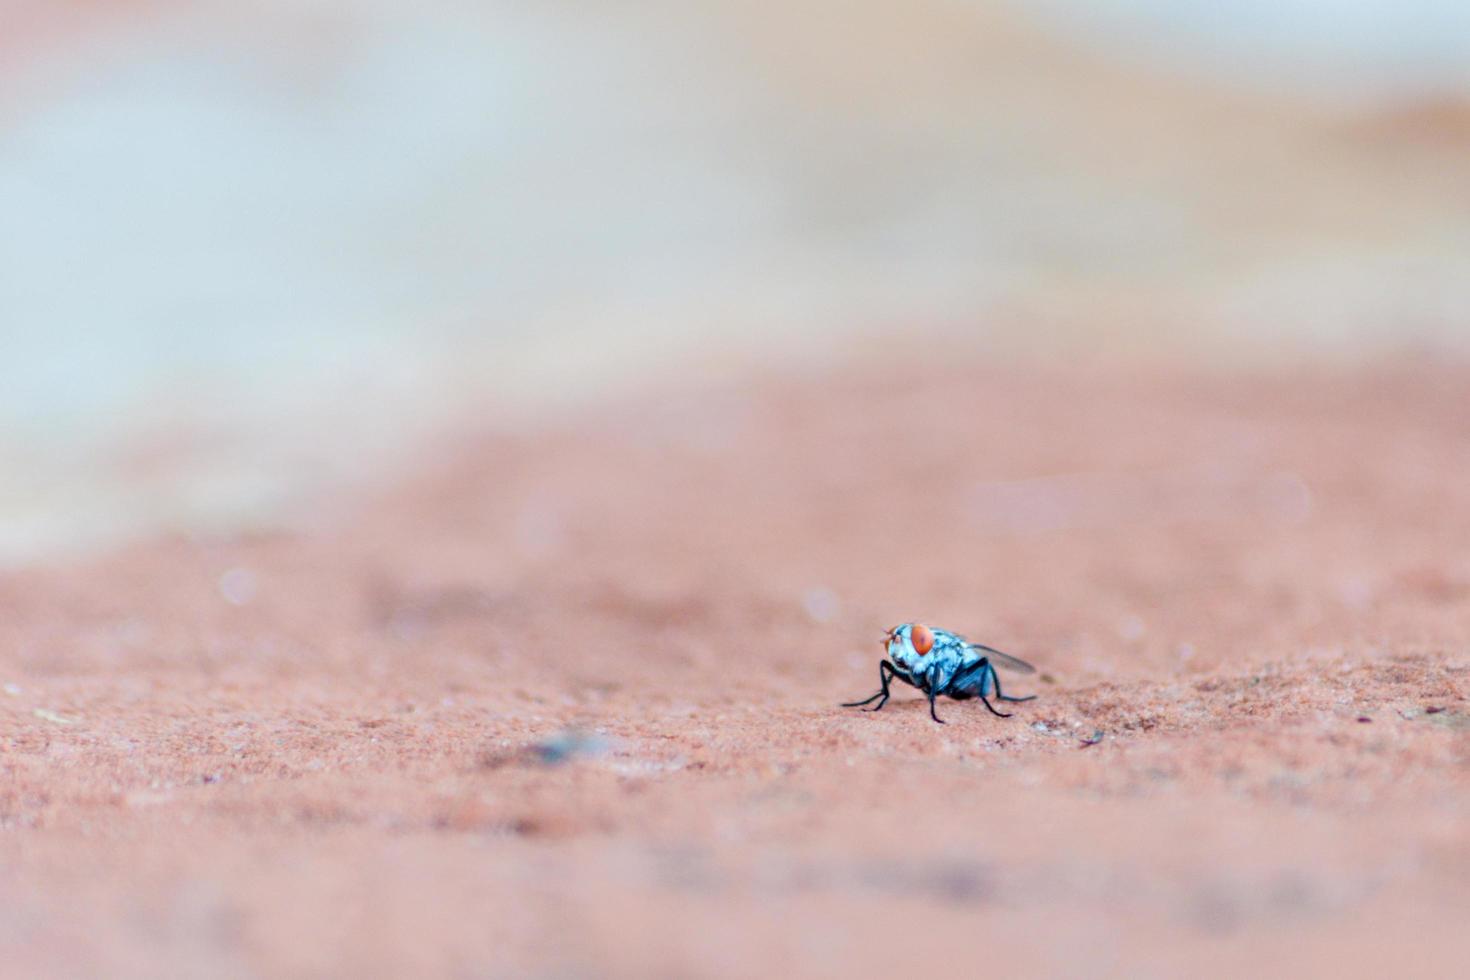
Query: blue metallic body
(953, 667)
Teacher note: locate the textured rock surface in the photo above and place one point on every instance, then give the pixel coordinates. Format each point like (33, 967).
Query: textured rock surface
(567, 705)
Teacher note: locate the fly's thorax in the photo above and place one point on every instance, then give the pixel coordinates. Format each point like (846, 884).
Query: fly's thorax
(942, 667)
(937, 665)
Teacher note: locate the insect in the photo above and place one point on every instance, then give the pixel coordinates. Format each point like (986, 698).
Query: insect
(939, 662)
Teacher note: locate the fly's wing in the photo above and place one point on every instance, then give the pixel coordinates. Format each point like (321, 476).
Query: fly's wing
(1003, 659)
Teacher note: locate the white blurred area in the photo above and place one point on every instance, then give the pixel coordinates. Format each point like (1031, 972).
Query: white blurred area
(249, 250)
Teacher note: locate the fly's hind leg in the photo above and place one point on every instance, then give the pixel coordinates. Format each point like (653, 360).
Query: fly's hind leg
(998, 714)
(995, 679)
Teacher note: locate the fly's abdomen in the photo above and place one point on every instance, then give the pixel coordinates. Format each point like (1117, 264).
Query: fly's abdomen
(976, 681)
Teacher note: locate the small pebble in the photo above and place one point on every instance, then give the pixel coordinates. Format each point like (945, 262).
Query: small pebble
(1364, 719)
(567, 745)
(46, 714)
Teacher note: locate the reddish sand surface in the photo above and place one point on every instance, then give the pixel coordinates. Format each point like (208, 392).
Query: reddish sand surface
(566, 703)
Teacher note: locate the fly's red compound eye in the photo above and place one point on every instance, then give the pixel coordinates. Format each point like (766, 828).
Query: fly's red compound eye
(922, 638)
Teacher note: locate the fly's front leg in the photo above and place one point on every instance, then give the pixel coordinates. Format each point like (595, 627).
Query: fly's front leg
(884, 670)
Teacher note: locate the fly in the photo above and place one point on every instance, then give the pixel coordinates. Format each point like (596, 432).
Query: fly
(940, 662)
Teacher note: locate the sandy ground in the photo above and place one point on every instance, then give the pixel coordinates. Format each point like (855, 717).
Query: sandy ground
(567, 704)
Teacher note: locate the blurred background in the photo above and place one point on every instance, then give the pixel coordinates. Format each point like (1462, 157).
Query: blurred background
(252, 251)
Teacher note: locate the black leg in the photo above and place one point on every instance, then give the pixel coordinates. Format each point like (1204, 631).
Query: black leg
(892, 674)
(931, 708)
(884, 668)
(1000, 714)
(995, 679)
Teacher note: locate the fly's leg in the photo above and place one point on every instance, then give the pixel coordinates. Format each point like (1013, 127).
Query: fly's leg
(999, 714)
(931, 707)
(884, 669)
(995, 679)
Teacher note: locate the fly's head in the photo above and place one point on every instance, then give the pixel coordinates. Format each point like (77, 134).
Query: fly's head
(907, 645)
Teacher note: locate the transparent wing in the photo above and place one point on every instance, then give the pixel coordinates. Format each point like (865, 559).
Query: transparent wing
(1003, 659)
